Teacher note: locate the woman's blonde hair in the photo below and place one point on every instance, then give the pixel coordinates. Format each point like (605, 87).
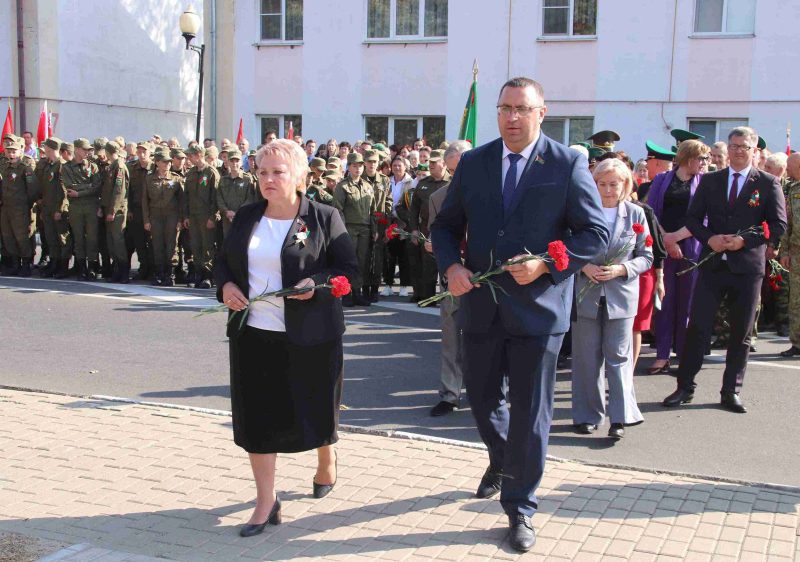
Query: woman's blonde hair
(689, 149)
(288, 150)
(621, 169)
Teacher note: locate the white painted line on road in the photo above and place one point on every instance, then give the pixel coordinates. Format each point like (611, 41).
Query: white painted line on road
(406, 307)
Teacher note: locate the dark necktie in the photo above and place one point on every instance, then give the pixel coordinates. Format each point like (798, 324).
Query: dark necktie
(734, 190)
(510, 183)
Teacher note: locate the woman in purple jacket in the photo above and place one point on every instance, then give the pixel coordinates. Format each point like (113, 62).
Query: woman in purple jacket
(669, 197)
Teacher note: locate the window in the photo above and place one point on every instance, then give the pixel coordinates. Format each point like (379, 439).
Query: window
(280, 124)
(281, 20)
(404, 130)
(725, 16)
(568, 130)
(715, 129)
(406, 19)
(569, 17)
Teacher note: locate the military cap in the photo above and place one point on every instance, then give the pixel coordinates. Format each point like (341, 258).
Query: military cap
(585, 145)
(252, 153)
(100, 143)
(212, 151)
(762, 144)
(331, 175)
(371, 156)
(680, 135)
(147, 145)
(604, 139)
(379, 146)
(423, 167)
(234, 154)
(596, 152)
(334, 160)
(10, 138)
(177, 153)
(68, 146)
(53, 142)
(112, 147)
(436, 155)
(196, 149)
(658, 152)
(82, 143)
(161, 156)
(355, 158)
(316, 163)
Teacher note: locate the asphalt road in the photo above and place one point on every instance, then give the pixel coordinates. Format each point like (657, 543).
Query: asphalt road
(148, 344)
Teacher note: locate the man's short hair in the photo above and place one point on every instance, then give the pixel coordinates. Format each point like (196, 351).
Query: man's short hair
(778, 159)
(748, 132)
(345, 143)
(722, 145)
(457, 147)
(309, 141)
(425, 149)
(522, 82)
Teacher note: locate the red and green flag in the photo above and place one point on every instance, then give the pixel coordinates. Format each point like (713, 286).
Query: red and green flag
(469, 121)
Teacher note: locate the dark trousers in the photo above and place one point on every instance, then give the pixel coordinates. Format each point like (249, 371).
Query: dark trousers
(430, 274)
(137, 239)
(516, 438)
(713, 284)
(396, 257)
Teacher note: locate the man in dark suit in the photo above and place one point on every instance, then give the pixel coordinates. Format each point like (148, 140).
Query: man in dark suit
(731, 200)
(517, 193)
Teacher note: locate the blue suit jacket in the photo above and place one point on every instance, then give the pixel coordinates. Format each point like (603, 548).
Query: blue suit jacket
(555, 199)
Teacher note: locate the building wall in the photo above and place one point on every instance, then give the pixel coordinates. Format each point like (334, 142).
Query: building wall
(643, 75)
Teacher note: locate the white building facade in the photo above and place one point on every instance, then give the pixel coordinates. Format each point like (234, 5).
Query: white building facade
(399, 69)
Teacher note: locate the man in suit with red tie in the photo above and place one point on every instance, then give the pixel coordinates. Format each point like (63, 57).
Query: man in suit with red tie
(516, 193)
(737, 199)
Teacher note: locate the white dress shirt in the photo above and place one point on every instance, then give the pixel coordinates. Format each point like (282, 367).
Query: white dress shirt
(526, 154)
(264, 271)
(739, 185)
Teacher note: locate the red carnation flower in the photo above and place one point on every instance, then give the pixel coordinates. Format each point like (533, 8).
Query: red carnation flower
(558, 251)
(390, 232)
(779, 278)
(765, 228)
(381, 218)
(340, 286)
(638, 228)
(648, 242)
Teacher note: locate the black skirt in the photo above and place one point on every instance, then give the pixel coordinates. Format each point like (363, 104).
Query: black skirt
(284, 397)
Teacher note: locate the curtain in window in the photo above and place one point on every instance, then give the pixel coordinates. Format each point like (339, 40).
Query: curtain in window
(377, 128)
(294, 20)
(556, 17)
(580, 128)
(584, 17)
(554, 128)
(378, 18)
(407, 17)
(436, 18)
(433, 130)
(271, 19)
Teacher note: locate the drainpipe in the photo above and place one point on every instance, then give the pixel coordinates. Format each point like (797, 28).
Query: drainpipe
(20, 68)
(213, 134)
(508, 56)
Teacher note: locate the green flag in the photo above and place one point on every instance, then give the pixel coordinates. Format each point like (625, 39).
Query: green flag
(469, 121)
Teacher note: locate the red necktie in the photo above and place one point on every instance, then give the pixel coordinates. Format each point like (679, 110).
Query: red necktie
(734, 190)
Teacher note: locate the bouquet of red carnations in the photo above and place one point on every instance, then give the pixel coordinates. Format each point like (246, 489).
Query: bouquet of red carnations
(395, 232)
(762, 229)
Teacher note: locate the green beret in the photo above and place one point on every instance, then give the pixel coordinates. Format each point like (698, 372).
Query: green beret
(658, 152)
(585, 145)
(316, 163)
(67, 146)
(355, 158)
(111, 147)
(423, 167)
(604, 139)
(681, 135)
(53, 142)
(762, 144)
(234, 154)
(196, 149)
(596, 152)
(379, 147)
(371, 156)
(177, 153)
(82, 143)
(436, 155)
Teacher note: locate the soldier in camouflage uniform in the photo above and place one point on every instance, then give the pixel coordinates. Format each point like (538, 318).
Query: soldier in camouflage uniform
(98, 157)
(790, 252)
(82, 180)
(137, 239)
(162, 210)
(200, 214)
(382, 210)
(114, 201)
(236, 190)
(54, 209)
(18, 191)
(316, 188)
(354, 198)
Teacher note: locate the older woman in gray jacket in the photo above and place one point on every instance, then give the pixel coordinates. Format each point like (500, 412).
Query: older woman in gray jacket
(608, 294)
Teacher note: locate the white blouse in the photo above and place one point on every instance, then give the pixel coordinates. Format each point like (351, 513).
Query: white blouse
(264, 269)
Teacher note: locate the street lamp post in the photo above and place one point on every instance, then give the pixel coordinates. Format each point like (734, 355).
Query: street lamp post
(190, 24)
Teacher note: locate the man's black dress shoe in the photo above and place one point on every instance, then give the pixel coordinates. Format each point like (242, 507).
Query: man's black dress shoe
(617, 431)
(731, 401)
(678, 397)
(442, 408)
(521, 536)
(791, 352)
(274, 518)
(490, 484)
(752, 348)
(585, 428)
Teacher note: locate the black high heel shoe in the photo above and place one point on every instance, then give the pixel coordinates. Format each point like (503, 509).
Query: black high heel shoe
(274, 518)
(322, 490)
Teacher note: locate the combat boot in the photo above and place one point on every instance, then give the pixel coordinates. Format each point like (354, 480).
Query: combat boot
(180, 275)
(204, 281)
(49, 270)
(125, 273)
(158, 277)
(25, 268)
(169, 277)
(91, 271)
(14, 266)
(62, 271)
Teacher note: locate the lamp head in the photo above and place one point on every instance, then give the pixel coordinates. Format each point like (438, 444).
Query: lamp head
(190, 24)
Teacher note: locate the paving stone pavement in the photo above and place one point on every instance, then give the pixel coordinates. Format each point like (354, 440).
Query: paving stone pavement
(130, 479)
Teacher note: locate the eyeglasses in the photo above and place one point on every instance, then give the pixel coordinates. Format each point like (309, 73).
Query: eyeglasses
(521, 110)
(739, 146)
(704, 158)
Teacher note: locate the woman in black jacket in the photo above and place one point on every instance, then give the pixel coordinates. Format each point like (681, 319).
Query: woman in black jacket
(285, 352)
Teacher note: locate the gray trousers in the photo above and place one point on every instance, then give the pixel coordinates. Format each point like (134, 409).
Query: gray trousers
(601, 345)
(452, 373)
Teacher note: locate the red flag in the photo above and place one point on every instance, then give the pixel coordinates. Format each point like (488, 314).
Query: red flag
(43, 130)
(240, 134)
(290, 134)
(8, 127)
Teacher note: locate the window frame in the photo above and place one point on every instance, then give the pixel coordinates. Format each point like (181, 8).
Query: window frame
(390, 127)
(723, 33)
(393, 38)
(744, 121)
(568, 124)
(282, 41)
(281, 117)
(570, 35)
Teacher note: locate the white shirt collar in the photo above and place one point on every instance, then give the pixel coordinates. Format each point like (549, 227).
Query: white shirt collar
(525, 153)
(742, 174)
